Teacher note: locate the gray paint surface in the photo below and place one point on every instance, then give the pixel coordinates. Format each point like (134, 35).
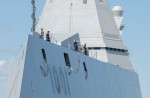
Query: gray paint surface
(104, 80)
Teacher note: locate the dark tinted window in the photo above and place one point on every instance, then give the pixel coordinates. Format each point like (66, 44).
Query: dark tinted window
(84, 1)
(66, 56)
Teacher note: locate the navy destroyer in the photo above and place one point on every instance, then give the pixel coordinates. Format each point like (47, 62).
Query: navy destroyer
(59, 68)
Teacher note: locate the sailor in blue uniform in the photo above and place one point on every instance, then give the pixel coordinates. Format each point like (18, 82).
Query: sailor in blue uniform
(75, 45)
(85, 49)
(47, 36)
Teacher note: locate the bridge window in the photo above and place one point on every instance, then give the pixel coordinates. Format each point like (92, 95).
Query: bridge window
(101, 1)
(119, 50)
(111, 49)
(84, 1)
(51, 1)
(66, 56)
(107, 48)
(115, 49)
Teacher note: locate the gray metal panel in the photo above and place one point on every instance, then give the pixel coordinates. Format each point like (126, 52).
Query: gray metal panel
(69, 42)
(106, 19)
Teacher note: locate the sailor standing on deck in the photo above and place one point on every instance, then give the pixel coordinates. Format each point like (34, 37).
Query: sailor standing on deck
(47, 36)
(81, 49)
(42, 34)
(85, 49)
(75, 45)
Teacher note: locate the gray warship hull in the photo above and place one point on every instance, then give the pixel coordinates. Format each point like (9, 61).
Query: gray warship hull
(32, 77)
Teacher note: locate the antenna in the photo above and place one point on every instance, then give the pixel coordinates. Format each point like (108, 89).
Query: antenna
(33, 16)
(70, 25)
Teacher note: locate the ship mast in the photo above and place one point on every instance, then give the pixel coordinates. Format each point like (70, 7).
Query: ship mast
(33, 16)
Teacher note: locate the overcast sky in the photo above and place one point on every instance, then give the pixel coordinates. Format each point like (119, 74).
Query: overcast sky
(15, 25)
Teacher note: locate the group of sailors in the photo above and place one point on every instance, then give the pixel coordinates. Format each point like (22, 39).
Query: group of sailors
(48, 37)
(83, 48)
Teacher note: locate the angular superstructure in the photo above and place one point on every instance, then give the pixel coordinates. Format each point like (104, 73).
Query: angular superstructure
(94, 22)
(54, 70)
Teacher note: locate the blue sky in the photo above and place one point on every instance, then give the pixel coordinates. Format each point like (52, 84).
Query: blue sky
(15, 25)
